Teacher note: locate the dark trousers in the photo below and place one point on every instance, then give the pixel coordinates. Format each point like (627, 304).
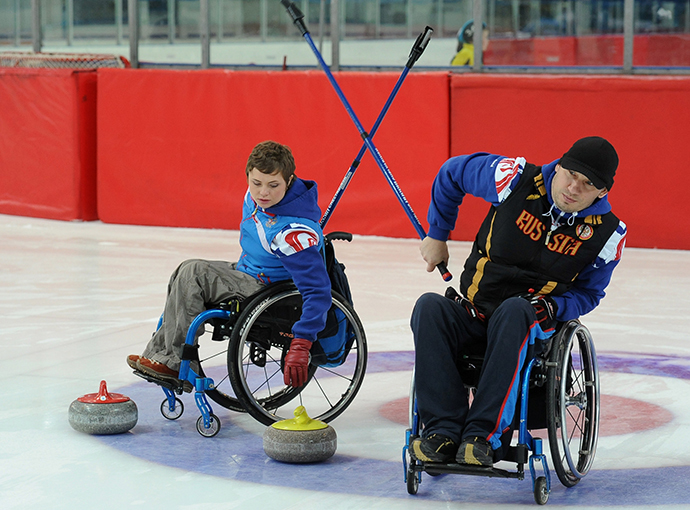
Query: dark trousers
(443, 332)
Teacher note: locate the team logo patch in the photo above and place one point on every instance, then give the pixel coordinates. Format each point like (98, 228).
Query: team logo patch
(270, 222)
(584, 232)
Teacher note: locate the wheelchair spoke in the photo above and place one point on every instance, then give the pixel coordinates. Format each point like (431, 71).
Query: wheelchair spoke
(323, 393)
(336, 374)
(576, 425)
(266, 378)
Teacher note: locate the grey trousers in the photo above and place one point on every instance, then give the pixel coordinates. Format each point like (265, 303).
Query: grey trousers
(194, 286)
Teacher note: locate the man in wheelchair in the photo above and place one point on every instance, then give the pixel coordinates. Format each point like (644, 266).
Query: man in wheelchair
(281, 240)
(544, 253)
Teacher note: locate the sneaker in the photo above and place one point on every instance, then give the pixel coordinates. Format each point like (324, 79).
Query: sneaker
(476, 451)
(132, 361)
(435, 448)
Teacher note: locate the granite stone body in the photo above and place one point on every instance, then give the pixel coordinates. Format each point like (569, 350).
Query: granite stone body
(103, 418)
(103, 412)
(300, 446)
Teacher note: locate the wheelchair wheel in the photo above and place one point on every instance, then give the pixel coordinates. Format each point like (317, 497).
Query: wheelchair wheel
(541, 491)
(412, 477)
(213, 427)
(572, 402)
(172, 413)
(256, 355)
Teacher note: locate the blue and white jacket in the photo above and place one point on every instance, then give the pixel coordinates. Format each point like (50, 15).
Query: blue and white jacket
(285, 242)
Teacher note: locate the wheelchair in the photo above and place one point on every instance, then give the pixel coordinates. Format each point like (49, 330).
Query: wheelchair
(240, 366)
(566, 377)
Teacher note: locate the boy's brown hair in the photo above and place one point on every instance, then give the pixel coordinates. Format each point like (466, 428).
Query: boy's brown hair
(268, 157)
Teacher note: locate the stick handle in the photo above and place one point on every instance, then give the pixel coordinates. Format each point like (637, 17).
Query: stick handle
(296, 15)
(419, 46)
(445, 274)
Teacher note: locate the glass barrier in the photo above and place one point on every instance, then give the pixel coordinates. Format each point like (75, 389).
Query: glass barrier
(534, 34)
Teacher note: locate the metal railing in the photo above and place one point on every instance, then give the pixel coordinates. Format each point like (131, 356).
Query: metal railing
(483, 11)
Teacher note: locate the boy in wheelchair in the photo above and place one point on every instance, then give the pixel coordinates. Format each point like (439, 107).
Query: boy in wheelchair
(544, 253)
(281, 240)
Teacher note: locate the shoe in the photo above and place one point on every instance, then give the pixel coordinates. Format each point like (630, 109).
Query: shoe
(435, 448)
(160, 371)
(475, 451)
(150, 367)
(132, 361)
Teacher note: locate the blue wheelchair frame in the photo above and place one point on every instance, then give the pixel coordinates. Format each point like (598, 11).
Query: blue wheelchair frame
(208, 424)
(568, 371)
(541, 485)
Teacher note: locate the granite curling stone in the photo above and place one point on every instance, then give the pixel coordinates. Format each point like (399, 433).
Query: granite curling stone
(103, 412)
(300, 440)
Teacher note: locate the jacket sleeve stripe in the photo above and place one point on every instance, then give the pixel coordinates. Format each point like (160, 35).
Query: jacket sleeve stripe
(613, 249)
(506, 171)
(294, 238)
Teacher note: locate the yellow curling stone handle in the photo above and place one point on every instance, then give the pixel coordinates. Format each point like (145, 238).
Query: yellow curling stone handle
(301, 421)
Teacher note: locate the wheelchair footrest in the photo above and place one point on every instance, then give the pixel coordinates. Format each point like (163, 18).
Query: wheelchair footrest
(174, 385)
(434, 468)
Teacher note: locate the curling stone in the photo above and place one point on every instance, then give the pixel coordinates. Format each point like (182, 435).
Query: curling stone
(103, 412)
(300, 439)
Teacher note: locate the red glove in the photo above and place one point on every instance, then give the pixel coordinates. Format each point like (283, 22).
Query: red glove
(297, 363)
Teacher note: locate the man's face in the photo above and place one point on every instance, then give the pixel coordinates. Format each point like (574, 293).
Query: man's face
(266, 189)
(572, 191)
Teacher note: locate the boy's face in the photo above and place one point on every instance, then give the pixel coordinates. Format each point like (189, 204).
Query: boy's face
(266, 189)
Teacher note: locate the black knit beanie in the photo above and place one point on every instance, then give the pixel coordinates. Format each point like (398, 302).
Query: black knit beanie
(594, 157)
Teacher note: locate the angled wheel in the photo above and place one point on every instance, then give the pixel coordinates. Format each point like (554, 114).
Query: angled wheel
(172, 413)
(572, 402)
(257, 350)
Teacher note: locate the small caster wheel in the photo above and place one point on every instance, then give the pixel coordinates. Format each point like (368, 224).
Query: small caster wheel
(175, 412)
(212, 430)
(541, 491)
(412, 477)
(412, 482)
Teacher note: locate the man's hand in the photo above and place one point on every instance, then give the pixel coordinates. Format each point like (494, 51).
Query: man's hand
(546, 309)
(433, 252)
(297, 363)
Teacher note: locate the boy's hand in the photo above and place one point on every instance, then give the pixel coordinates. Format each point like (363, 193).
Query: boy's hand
(297, 363)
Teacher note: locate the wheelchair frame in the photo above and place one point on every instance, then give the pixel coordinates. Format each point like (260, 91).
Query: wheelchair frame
(569, 370)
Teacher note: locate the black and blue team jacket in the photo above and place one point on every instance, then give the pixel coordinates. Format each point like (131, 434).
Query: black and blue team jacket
(526, 244)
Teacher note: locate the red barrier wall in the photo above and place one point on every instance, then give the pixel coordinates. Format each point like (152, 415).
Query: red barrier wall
(172, 145)
(48, 143)
(646, 118)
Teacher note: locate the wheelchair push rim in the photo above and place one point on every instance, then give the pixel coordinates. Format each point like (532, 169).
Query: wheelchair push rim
(573, 403)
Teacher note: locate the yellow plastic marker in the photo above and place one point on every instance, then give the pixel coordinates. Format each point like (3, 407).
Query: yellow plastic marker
(301, 421)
